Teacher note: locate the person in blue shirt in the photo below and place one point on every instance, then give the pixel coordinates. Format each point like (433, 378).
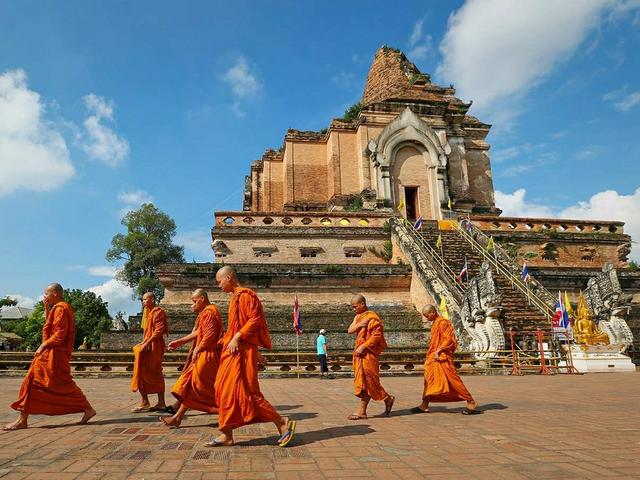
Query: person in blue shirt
(321, 346)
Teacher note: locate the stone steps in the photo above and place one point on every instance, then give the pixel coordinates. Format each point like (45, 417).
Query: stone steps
(517, 312)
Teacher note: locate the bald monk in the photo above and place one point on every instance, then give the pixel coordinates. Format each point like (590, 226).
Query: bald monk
(148, 355)
(370, 343)
(48, 388)
(441, 380)
(240, 401)
(194, 388)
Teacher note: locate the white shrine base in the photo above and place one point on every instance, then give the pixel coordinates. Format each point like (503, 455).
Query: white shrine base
(600, 358)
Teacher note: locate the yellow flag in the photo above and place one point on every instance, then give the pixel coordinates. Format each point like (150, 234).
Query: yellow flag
(439, 241)
(449, 204)
(443, 308)
(143, 323)
(401, 205)
(490, 244)
(567, 304)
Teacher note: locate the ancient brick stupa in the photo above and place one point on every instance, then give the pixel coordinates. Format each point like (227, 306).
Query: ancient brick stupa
(330, 214)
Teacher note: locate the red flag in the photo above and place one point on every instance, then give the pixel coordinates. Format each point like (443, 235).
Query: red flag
(297, 324)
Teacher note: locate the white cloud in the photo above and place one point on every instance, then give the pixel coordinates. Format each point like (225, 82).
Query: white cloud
(33, 152)
(419, 45)
(514, 205)
(119, 297)
(23, 300)
(606, 205)
(241, 79)
(197, 244)
(99, 140)
(622, 99)
(494, 51)
(504, 154)
(132, 200)
(102, 271)
(416, 33)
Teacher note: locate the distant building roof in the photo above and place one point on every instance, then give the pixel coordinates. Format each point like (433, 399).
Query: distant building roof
(15, 313)
(11, 337)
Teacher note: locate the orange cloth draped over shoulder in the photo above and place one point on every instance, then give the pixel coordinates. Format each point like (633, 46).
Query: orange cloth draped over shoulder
(366, 368)
(240, 401)
(48, 388)
(441, 380)
(147, 365)
(195, 387)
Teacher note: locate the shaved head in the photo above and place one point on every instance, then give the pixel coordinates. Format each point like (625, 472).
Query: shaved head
(149, 295)
(200, 292)
(358, 299)
(55, 287)
(428, 308)
(227, 279)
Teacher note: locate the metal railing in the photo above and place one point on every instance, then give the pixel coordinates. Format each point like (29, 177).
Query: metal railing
(433, 257)
(505, 269)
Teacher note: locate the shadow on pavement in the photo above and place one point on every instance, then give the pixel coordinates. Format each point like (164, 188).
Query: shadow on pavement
(306, 438)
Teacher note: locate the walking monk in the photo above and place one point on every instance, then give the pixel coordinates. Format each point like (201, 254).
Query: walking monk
(441, 380)
(48, 388)
(194, 388)
(240, 401)
(148, 355)
(370, 343)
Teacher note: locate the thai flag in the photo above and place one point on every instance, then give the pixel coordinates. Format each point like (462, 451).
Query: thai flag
(561, 317)
(418, 224)
(463, 277)
(525, 273)
(297, 323)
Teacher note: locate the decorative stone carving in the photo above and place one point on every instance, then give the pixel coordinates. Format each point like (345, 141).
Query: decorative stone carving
(609, 306)
(482, 330)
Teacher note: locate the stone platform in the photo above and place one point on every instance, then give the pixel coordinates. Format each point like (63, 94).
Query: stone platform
(532, 428)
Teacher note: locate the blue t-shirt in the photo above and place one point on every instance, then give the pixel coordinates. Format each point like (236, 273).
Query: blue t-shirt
(320, 343)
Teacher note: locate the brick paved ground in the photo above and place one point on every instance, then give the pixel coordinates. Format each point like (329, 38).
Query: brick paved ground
(533, 428)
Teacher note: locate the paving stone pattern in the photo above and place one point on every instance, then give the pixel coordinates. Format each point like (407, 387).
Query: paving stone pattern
(564, 427)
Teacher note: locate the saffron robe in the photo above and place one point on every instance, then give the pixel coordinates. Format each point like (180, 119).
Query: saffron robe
(441, 380)
(195, 387)
(366, 368)
(147, 365)
(240, 401)
(48, 388)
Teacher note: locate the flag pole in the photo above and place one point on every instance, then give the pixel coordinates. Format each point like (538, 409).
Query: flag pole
(297, 354)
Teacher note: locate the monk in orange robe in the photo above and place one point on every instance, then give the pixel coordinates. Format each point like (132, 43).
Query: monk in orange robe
(194, 388)
(370, 343)
(48, 388)
(240, 401)
(441, 380)
(148, 355)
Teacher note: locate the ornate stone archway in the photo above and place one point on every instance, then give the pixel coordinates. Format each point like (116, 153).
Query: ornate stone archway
(409, 130)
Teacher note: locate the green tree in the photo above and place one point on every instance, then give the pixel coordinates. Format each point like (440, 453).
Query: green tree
(8, 302)
(91, 318)
(351, 113)
(147, 244)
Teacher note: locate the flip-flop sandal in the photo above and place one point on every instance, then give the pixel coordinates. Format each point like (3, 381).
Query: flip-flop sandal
(157, 409)
(471, 411)
(141, 409)
(288, 435)
(170, 409)
(418, 410)
(215, 443)
(355, 416)
(387, 408)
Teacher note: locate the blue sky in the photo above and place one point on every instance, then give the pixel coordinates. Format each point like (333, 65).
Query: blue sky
(104, 105)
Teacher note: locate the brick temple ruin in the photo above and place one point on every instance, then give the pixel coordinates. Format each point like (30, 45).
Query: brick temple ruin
(330, 214)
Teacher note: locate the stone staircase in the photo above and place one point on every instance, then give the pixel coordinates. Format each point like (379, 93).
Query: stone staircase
(518, 312)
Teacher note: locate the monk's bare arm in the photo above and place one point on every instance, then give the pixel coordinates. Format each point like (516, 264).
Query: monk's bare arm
(175, 344)
(357, 324)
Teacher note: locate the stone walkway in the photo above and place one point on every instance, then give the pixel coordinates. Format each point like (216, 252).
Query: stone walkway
(565, 427)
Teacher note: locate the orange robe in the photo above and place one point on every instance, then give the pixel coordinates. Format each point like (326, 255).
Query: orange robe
(195, 387)
(240, 401)
(366, 368)
(441, 380)
(147, 365)
(48, 388)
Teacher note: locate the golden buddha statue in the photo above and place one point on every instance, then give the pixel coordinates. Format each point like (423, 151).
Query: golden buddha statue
(585, 329)
(85, 345)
